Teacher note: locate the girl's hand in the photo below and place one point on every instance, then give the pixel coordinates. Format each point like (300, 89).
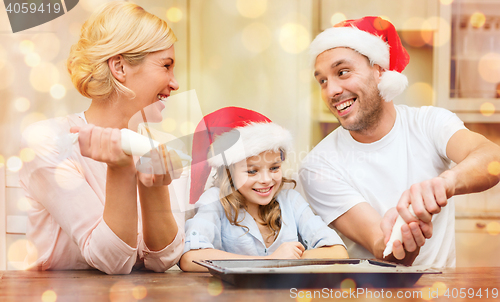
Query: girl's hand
(288, 250)
(160, 168)
(102, 144)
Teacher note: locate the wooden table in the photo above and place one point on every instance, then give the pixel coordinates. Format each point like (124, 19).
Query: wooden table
(178, 286)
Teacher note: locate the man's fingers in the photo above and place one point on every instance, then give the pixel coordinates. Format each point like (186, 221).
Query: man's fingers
(408, 240)
(418, 236)
(397, 250)
(426, 228)
(402, 207)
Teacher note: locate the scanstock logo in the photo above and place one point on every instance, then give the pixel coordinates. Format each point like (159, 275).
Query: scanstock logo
(24, 14)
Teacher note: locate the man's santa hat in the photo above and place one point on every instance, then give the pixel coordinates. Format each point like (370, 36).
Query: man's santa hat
(374, 38)
(229, 135)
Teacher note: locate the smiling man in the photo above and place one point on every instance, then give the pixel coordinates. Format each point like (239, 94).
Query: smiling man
(385, 156)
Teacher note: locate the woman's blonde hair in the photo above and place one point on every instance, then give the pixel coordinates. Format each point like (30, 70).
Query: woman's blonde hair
(116, 28)
(232, 201)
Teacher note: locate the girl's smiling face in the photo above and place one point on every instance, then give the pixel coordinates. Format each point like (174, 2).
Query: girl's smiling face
(258, 178)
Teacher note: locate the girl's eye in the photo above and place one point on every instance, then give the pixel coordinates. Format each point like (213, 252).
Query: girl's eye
(322, 81)
(275, 169)
(252, 172)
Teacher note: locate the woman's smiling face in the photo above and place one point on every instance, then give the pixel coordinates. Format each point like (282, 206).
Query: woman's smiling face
(151, 81)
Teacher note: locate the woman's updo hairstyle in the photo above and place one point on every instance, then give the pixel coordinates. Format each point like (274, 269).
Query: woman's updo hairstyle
(116, 28)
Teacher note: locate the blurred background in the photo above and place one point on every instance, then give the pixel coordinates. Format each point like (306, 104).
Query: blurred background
(253, 54)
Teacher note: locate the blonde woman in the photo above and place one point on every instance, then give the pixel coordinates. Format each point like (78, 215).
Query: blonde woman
(93, 209)
(248, 214)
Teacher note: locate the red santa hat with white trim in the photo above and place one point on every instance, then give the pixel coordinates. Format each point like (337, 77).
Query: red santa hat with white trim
(229, 135)
(374, 38)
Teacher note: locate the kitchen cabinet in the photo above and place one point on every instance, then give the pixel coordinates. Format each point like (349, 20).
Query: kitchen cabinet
(468, 73)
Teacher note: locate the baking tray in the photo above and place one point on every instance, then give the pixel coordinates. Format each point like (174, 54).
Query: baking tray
(314, 273)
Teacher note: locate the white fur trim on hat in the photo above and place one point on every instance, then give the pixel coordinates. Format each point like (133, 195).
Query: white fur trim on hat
(243, 142)
(371, 46)
(392, 84)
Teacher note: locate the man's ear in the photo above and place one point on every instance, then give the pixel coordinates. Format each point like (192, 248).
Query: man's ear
(378, 72)
(117, 67)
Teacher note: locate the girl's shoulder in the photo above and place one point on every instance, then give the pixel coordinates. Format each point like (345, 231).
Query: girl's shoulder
(209, 197)
(289, 196)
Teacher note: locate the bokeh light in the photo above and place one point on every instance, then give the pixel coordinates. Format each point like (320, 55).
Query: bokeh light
(251, 8)
(26, 47)
(446, 2)
(121, 291)
(477, 19)
(32, 59)
(90, 5)
(303, 296)
(32, 118)
(256, 37)
(23, 204)
(168, 124)
(27, 154)
(421, 90)
(47, 45)
(14, 164)
(487, 109)
(381, 23)
(44, 76)
(442, 26)
(57, 91)
(17, 253)
(494, 168)
(294, 38)
(215, 287)
(139, 292)
(337, 18)
(174, 14)
(22, 104)
(439, 287)
(49, 296)
(7, 75)
(493, 228)
(489, 67)
(348, 284)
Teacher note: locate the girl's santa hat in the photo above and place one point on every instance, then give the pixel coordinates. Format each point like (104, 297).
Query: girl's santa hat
(374, 38)
(229, 135)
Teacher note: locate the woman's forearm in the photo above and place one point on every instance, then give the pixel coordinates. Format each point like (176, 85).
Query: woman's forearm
(158, 222)
(120, 208)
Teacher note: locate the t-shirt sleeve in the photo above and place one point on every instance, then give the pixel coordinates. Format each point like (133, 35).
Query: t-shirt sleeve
(311, 228)
(326, 189)
(439, 125)
(204, 229)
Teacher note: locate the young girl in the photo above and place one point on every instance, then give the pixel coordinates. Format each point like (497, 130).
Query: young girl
(248, 214)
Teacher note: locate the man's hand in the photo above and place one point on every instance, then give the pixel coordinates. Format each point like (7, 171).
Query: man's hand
(427, 198)
(414, 236)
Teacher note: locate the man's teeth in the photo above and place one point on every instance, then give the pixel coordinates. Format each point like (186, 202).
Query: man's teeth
(263, 190)
(162, 97)
(344, 105)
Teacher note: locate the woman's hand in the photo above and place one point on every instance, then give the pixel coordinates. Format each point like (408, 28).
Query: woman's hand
(288, 250)
(160, 168)
(102, 144)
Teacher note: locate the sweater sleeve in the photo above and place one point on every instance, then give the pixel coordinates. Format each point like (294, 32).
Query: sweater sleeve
(66, 190)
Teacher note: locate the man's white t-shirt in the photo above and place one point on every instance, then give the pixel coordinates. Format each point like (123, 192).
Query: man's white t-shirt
(341, 172)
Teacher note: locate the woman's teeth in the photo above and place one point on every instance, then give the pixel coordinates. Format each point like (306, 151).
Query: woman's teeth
(263, 190)
(344, 105)
(162, 97)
